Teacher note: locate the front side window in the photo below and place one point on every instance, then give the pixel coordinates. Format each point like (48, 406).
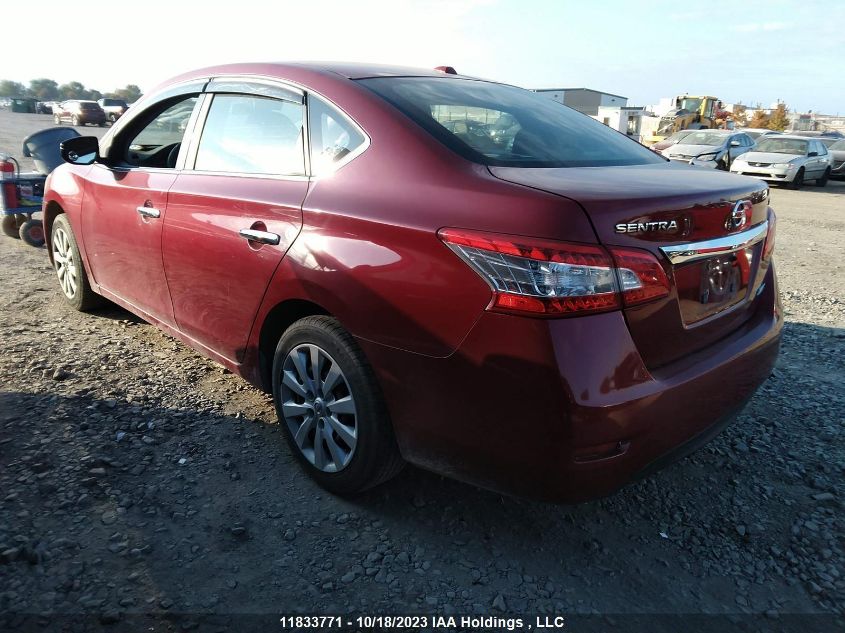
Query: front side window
(248, 134)
(158, 141)
(504, 126)
(333, 137)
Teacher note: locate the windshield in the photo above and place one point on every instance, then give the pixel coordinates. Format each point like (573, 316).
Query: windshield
(690, 104)
(782, 146)
(838, 145)
(504, 126)
(677, 136)
(705, 138)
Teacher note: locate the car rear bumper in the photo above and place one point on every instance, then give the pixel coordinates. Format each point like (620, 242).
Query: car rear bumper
(565, 410)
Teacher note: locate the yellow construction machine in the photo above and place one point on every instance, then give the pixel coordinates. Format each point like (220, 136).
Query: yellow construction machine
(690, 112)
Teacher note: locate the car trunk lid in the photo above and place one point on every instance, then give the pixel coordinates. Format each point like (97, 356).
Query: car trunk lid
(706, 228)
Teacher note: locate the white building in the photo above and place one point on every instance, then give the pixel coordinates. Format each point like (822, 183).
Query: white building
(627, 119)
(584, 100)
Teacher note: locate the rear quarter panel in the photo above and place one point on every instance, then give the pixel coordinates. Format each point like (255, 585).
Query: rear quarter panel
(369, 252)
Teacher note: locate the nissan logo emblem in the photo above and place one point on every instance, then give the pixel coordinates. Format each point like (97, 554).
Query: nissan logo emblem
(739, 215)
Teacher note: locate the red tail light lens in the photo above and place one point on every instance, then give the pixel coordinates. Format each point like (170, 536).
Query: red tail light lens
(641, 276)
(556, 278)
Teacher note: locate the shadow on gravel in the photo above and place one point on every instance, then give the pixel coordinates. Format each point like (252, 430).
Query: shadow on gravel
(185, 518)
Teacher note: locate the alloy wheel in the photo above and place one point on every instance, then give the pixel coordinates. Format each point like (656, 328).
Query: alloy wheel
(65, 263)
(319, 408)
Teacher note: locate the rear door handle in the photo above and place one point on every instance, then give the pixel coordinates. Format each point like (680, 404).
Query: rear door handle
(260, 236)
(149, 212)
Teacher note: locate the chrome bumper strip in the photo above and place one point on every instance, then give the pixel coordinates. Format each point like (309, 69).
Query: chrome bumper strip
(692, 251)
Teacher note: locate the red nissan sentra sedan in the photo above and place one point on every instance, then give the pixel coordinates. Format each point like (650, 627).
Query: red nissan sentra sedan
(430, 268)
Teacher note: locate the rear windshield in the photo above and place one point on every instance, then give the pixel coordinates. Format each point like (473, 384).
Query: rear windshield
(838, 145)
(88, 106)
(114, 102)
(503, 126)
(782, 146)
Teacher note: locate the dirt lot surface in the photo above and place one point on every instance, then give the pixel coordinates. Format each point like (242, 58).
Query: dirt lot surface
(136, 477)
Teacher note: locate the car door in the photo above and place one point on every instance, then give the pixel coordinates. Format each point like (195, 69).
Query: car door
(822, 158)
(126, 205)
(64, 111)
(233, 214)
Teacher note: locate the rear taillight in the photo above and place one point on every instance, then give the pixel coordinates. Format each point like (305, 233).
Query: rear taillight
(641, 277)
(557, 278)
(769, 246)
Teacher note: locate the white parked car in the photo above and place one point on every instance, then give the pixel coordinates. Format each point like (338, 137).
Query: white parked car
(757, 133)
(716, 149)
(786, 158)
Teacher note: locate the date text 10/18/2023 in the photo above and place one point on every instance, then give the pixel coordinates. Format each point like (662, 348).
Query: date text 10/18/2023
(415, 622)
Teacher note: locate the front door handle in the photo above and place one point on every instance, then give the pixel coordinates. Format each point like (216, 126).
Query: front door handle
(260, 236)
(149, 212)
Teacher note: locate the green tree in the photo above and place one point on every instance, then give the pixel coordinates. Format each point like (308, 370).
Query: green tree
(73, 90)
(10, 88)
(779, 119)
(131, 93)
(44, 89)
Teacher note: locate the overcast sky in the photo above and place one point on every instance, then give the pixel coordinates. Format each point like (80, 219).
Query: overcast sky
(743, 50)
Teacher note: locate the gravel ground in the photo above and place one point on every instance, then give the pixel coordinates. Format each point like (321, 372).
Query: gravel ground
(138, 478)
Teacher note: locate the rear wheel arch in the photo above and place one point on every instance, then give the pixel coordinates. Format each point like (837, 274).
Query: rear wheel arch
(279, 319)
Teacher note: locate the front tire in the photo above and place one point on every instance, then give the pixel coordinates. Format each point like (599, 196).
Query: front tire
(67, 263)
(331, 408)
(798, 181)
(822, 182)
(75, 121)
(57, 119)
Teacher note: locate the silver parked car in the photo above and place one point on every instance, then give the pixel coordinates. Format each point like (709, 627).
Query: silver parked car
(837, 155)
(757, 133)
(716, 149)
(787, 158)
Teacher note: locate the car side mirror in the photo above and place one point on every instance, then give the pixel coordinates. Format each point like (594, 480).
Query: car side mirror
(813, 154)
(735, 143)
(82, 150)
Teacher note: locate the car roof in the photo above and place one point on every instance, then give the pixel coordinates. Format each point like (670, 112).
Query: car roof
(796, 137)
(719, 131)
(305, 72)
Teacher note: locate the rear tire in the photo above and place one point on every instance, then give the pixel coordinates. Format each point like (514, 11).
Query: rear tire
(798, 181)
(331, 408)
(67, 263)
(32, 233)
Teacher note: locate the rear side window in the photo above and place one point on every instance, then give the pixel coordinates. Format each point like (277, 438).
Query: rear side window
(252, 135)
(333, 137)
(506, 126)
